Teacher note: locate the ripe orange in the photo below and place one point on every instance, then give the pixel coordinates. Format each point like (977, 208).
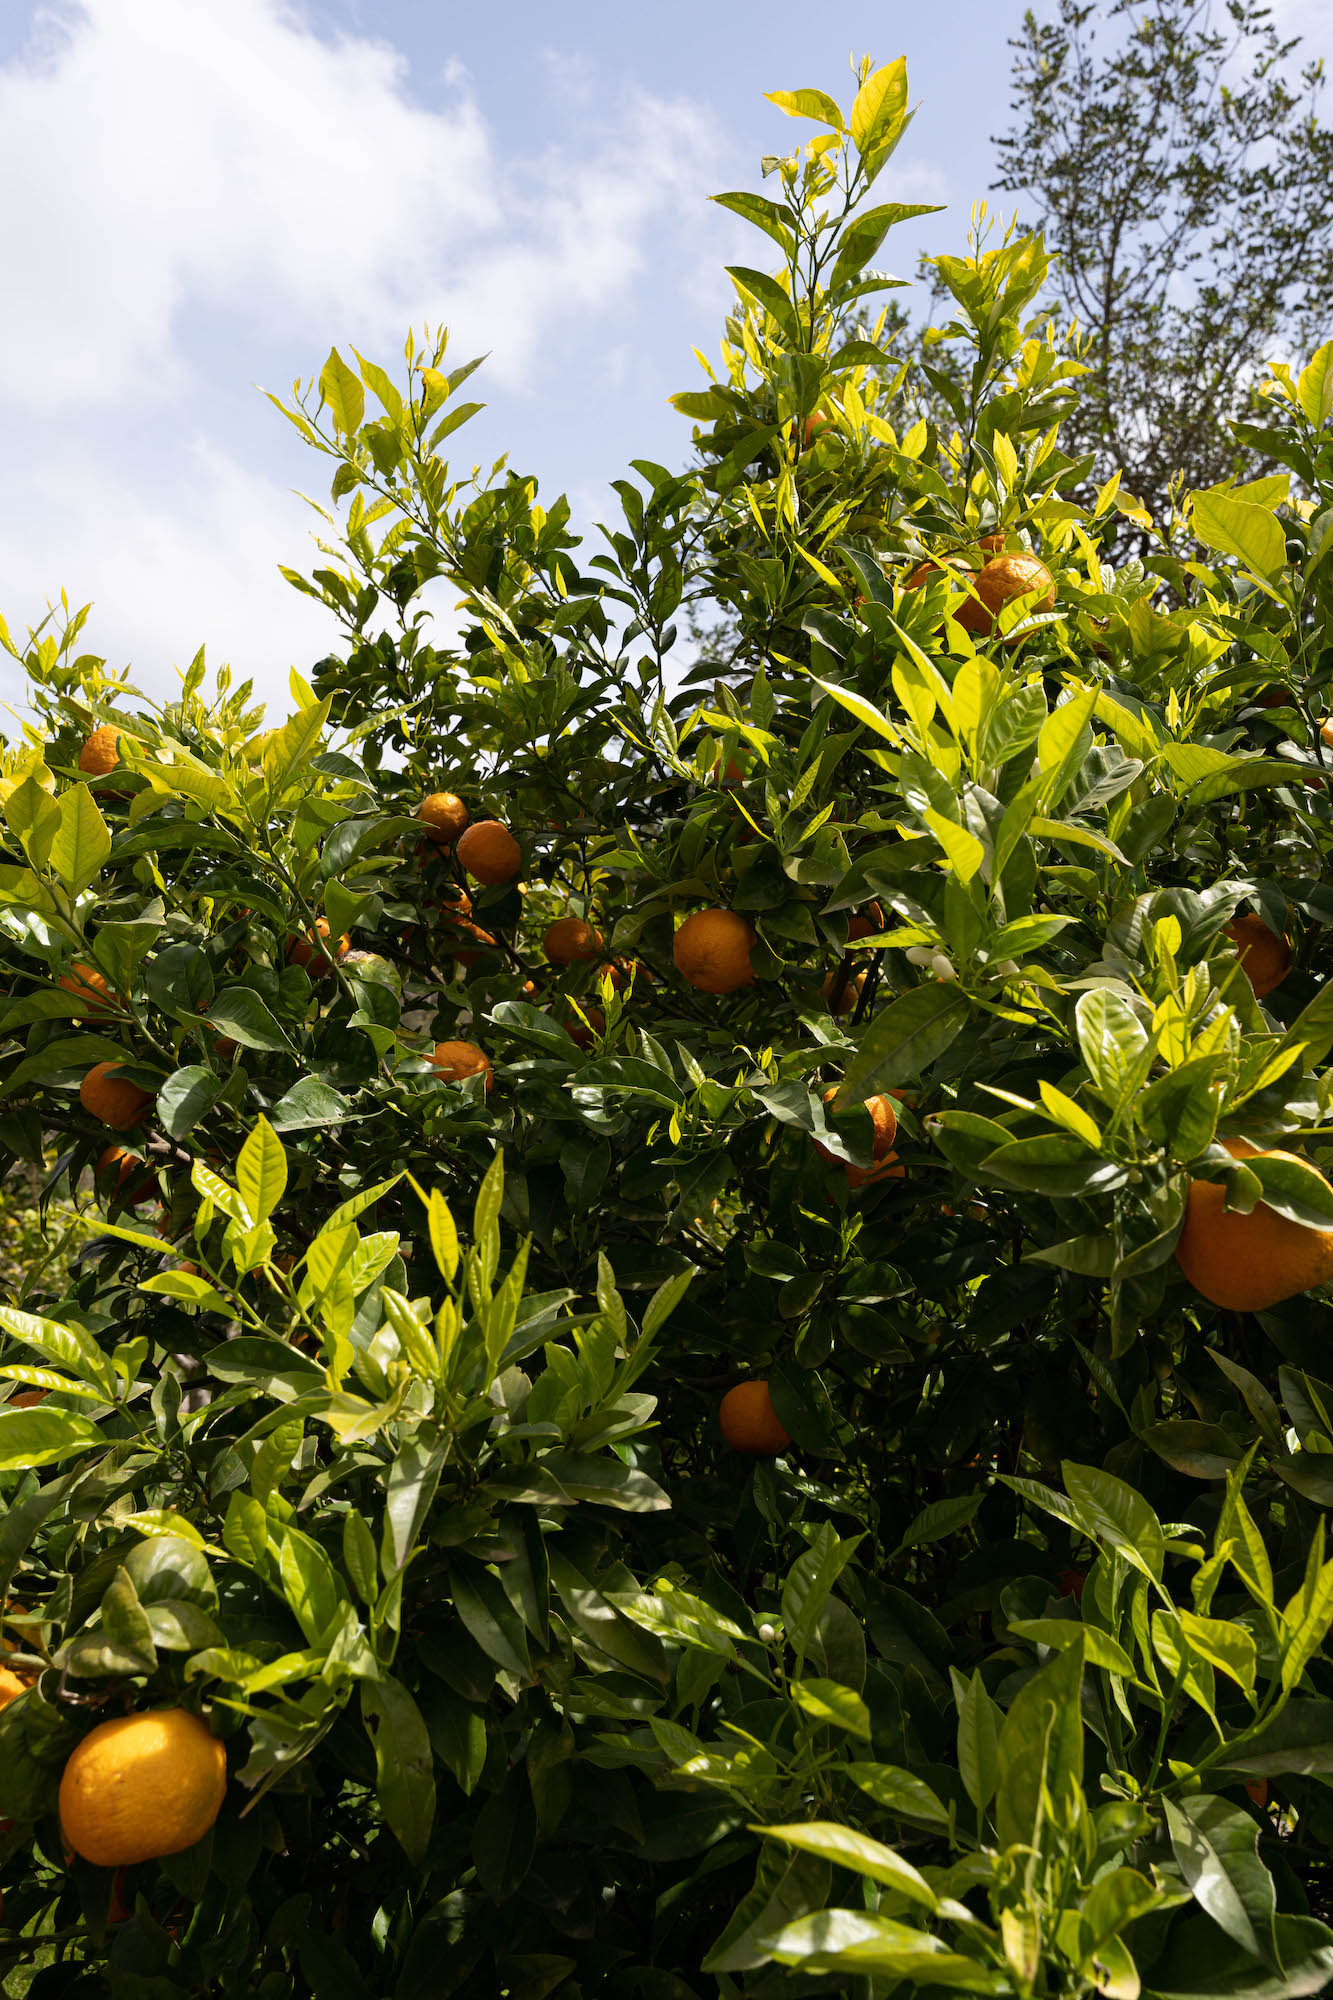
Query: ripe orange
(848, 991)
(1326, 731)
(582, 1037)
(884, 1119)
(11, 1687)
(99, 754)
(142, 1786)
(712, 951)
(224, 1048)
(1257, 1789)
(569, 938)
(456, 1060)
(1001, 580)
(27, 1399)
(115, 1160)
(749, 1421)
(305, 950)
(1265, 958)
(112, 1098)
(86, 983)
(819, 421)
(459, 928)
(869, 925)
(444, 816)
(1249, 1262)
(490, 853)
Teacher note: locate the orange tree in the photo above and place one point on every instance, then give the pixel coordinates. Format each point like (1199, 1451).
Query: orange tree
(692, 1357)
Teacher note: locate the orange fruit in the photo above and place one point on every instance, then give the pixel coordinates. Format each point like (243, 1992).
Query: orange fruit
(884, 1119)
(112, 1098)
(456, 1060)
(1002, 580)
(27, 1399)
(141, 1786)
(712, 951)
(460, 927)
(582, 1037)
(99, 754)
(224, 1048)
(443, 815)
(749, 1421)
(1249, 1262)
(848, 991)
(570, 938)
(490, 853)
(114, 1159)
(1265, 958)
(85, 982)
(819, 421)
(11, 1687)
(305, 950)
(1257, 1789)
(869, 925)
(1326, 730)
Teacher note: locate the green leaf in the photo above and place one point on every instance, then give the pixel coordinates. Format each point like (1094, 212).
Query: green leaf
(809, 1581)
(1216, 1846)
(82, 841)
(1117, 1516)
(879, 107)
(404, 1764)
(1226, 1646)
(979, 1720)
(1314, 389)
(864, 711)
(241, 1014)
(1294, 1188)
(807, 104)
(68, 1346)
(856, 1851)
(1114, 1045)
(940, 1518)
(775, 219)
(187, 1096)
(413, 1479)
(342, 394)
(1099, 1648)
(855, 1942)
(963, 851)
(768, 293)
(833, 1706)
(1041, 1751)
(1253, 535)
(43, 1437)
(261, 1171)
(309, 1585)
(902, 1042)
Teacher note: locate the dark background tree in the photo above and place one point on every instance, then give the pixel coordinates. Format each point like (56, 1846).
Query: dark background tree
(1181, 173)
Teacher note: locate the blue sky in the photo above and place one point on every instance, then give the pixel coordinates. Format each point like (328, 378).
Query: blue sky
(203, 195)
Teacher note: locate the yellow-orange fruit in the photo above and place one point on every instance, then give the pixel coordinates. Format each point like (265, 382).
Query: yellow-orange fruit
(813, 425)
(114, 1099)
(999, 582)
(749, 1421)
(1249, 1262)
(712, 951)
(142, 1786)
(443, 815)
(11, 1687)
(456, 1060)
(86, 983)
(27, 1399)
(884, 1120)
(848, 991)
(305, 950)
(1326, 731)
(99, 754)
(490, 853)
(1265, 958)
(115, 1160)
(224, 1048)
(1257, 1789)
(570, 938)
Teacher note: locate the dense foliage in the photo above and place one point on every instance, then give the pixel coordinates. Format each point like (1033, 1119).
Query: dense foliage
(377, 1417)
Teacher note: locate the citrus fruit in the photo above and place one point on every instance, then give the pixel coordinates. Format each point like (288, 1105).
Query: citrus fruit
(848, 991)
(884, 1120)
(712, 951)
(819, 421)
(11, 1686)
(115, 1161)
(112, 1098)
(443, 815)
(1326, 731)
(581, 1036)
(99, 754)
(86, 983)
(569, 938)
(305, 950)
(27, 1399)
(490, 853)
(868, 925)
(749, 1421)
(1001, 580)
(1249, 1262)
(142, 1786)
(457, 1060)
(461, 928)
(1265, 958)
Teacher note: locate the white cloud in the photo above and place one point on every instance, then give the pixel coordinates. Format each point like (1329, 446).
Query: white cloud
(211, 193)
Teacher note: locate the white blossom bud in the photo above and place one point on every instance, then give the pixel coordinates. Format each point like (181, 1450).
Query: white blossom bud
(942, 967)
(768, 1633)
(919, 954)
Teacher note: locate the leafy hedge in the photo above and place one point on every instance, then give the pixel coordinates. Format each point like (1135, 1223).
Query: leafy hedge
(377, 1413)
